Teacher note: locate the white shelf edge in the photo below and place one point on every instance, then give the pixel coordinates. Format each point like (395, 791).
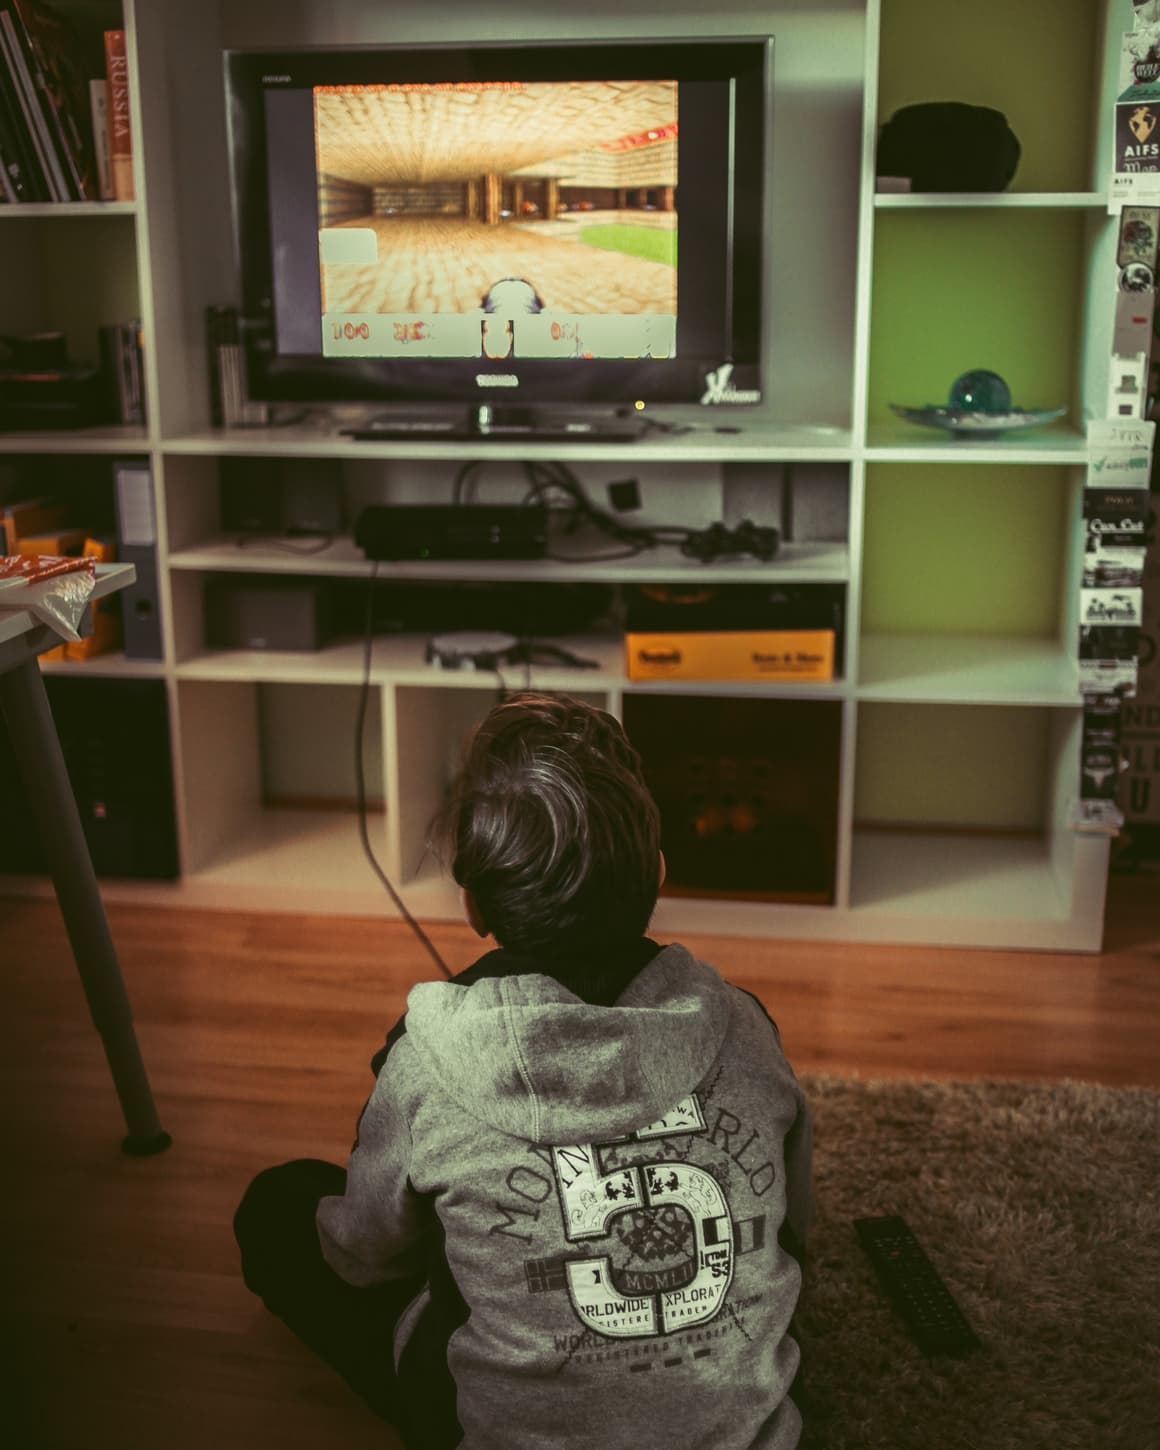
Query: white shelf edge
(890, 443)
(1000, 200)
(757, 442)
(806, 562)
(110, 666)
(974, 669)
(398, 660)
(113, 438)
(59, 209)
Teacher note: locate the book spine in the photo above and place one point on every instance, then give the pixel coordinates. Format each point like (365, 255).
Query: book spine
(214, 335)
(21, 65)
(131, 344)
(109, 343)
(120, 129)
(98, 105)
(6, 184)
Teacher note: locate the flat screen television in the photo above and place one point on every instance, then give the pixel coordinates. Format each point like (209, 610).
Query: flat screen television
(503, 225)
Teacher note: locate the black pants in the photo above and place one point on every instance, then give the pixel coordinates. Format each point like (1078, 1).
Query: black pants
(352, 1329)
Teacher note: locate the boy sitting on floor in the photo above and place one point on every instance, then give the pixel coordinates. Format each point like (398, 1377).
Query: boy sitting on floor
(566, 1216)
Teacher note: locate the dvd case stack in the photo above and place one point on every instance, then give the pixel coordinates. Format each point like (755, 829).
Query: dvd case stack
(47, 151)
(230, 403)
(122, 368)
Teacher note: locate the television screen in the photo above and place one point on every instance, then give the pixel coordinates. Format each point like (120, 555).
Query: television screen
(564, 223)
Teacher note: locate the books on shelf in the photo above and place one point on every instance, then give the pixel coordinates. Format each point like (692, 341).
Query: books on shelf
(50, 147)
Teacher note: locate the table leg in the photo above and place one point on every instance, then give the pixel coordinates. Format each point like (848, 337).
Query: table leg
(24, 706)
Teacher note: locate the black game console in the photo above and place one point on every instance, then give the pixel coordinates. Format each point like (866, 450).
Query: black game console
(452, 531)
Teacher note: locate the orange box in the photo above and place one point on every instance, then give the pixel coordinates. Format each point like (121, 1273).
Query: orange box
(731, 654)
(65, 543)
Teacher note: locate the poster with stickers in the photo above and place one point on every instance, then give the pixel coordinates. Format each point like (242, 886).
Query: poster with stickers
(1117, 514)
(1136, 163)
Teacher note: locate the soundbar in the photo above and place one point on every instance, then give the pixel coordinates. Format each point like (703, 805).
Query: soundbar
(452, 531)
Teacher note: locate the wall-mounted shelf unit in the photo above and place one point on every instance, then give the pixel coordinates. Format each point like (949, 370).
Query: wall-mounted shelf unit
(946, 751)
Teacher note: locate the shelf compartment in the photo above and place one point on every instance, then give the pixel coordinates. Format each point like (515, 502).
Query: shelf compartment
(947, 266)
(968, 669)
(293, 860)
(748, 793)
(961, 815)
(928, 51)
(807, 501)
(265, 805)
(955, 877)
(958, 767)
(77, 271)
(952, 550)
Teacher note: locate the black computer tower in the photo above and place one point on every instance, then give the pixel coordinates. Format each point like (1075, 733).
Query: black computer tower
(114, 735)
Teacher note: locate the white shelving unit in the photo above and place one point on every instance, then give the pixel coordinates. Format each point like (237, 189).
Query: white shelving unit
(983, 716)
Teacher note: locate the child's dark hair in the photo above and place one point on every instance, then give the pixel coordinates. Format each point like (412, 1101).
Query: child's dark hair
(551, 828)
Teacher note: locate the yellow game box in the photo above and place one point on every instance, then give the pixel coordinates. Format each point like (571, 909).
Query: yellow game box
(731, 654)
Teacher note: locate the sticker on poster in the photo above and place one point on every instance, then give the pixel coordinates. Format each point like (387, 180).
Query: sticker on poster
(1100, 763)
(1095, 818)
(1110, 567)
(1117, 433)
(1140, 733)
(1139, 236)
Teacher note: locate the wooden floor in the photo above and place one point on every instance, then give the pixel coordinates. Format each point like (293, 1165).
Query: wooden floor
(123, 1322)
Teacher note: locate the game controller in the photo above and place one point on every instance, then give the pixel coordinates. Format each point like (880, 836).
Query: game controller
(717, 542)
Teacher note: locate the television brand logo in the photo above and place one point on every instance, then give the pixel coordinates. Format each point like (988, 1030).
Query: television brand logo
(496, 380)
(718, 388)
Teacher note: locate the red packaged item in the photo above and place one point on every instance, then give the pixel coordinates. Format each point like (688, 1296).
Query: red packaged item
(28, 568)
(55, 590)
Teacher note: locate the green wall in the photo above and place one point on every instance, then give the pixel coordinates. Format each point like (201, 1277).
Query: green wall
(954, 548)
(954, 766)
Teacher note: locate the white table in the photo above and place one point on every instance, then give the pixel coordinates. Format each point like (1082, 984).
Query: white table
(25, 710)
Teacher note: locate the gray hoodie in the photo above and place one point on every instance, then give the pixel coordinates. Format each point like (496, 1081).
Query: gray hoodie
(610, 1183)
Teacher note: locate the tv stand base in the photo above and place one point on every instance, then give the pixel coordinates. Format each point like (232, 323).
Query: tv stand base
(491, 424)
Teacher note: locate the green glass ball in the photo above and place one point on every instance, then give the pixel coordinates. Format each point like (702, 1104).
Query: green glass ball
(980, 391)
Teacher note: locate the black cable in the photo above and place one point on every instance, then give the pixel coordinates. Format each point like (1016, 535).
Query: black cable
(360, 779)
(282, 545)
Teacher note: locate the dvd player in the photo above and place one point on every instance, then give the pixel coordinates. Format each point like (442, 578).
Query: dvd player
(452, 531)
(489, 422)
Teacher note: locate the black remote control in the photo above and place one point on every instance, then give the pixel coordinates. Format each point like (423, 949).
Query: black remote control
(935, 1321)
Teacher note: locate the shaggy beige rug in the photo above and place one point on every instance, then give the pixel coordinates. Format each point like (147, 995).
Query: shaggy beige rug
(1040, 1206)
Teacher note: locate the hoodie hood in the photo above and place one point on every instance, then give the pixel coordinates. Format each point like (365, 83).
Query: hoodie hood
(527, 1056)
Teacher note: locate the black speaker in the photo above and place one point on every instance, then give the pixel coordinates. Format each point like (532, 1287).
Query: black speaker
(266, 612)
(250, 496)
(114, 735)
(312, 500)
(281, 495)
